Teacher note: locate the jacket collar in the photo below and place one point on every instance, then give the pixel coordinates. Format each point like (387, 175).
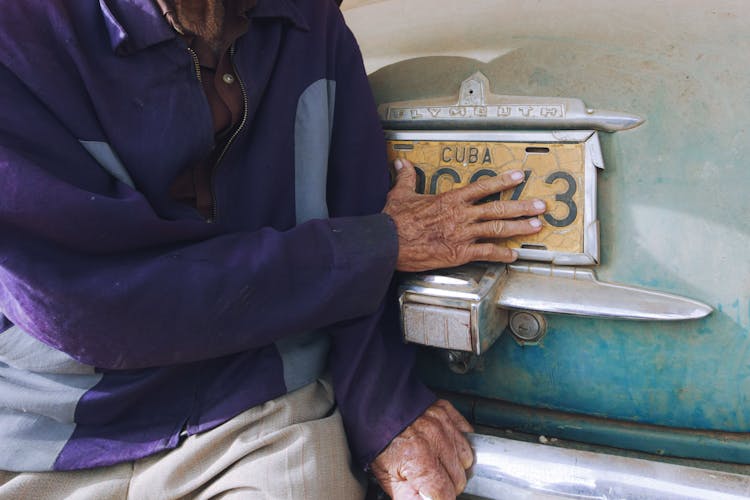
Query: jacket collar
(134, 25)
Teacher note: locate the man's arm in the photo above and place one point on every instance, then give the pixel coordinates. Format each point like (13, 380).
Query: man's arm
(88, 267)
(394, 425)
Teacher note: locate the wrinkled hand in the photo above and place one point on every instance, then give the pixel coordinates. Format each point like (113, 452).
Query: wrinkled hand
(450, 229)
(429, 457)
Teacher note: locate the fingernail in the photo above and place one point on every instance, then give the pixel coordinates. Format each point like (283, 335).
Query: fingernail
(424, 496)
(514, 254)
(535, 222)
(517, 175)
(398, 164)
(540, 205)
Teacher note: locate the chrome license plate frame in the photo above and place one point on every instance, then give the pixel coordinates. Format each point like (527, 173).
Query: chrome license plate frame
(585, 251)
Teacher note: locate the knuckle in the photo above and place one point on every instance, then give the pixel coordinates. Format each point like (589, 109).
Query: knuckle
(498, 227)
(485, 251)
(419, 442)
(456, 213)
(425, 454)
(431, 425)
(407, 172)
(500, 209)
(452, 198)
(466, 254)
(484, 183)
(508, 256)
(439, 413)
(502, 254)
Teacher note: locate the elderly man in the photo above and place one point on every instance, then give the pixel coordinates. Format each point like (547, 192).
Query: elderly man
(197, 255)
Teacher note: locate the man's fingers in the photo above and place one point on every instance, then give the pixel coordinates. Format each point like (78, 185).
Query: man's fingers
(505, 228)
(436, 428)
(450, 458)
(429, 459)
(458, 420)
(424, 472)
(506, 209)
(462, 449)
(406, 176)
(464, 454)
(491, 252)
(458, 427)
(434, 484)
(404, 491)
(487, 186)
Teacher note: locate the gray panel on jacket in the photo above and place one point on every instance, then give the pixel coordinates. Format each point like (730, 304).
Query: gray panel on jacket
(37, 409)
(31, 442)
(20, 350)
(312, 140)
(107, 158)
(46, 394)
(304, 358)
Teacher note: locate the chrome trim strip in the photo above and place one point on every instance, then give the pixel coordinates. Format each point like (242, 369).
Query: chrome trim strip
(476, 107)
(545, 288)
(506, 468)
(493, 136)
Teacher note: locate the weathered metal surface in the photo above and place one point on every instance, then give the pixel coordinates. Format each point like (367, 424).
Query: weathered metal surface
(477, 108)
(454, 309)
(672, 202)
(646, 441)
(509, 469)
(465, 308)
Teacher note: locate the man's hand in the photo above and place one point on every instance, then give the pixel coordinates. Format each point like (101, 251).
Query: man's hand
(430, 457)
(450, 229)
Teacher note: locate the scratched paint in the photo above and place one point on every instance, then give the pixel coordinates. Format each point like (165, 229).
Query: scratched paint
(673, 199)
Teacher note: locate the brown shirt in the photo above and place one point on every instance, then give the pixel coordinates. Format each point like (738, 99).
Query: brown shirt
(209, 28)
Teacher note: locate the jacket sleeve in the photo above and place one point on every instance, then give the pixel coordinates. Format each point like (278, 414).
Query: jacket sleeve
(89, 268)
(373, 369)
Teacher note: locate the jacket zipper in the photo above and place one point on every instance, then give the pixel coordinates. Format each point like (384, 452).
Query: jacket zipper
(214, 206)
(197, 65)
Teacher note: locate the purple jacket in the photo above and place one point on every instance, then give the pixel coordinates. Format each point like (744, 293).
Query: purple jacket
(126, 318)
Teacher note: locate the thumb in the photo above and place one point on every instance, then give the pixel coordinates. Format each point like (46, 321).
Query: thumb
(406, 175)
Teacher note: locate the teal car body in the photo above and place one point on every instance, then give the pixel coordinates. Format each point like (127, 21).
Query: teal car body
(673, 204)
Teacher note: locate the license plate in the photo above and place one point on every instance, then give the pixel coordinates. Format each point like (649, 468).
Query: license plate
(559, 168)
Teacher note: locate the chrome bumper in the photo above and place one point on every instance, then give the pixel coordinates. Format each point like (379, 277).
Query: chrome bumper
(511, 469)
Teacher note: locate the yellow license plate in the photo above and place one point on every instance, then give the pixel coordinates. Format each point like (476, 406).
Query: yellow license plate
(555, 172)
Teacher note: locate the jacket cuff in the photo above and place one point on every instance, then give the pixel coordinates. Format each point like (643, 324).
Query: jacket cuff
(409, 403)
(366, 250)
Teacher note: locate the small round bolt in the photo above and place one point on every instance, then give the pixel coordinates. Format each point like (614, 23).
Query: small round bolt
(528, 326)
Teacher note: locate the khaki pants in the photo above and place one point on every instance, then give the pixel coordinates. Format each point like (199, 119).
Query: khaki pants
(293, 447)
